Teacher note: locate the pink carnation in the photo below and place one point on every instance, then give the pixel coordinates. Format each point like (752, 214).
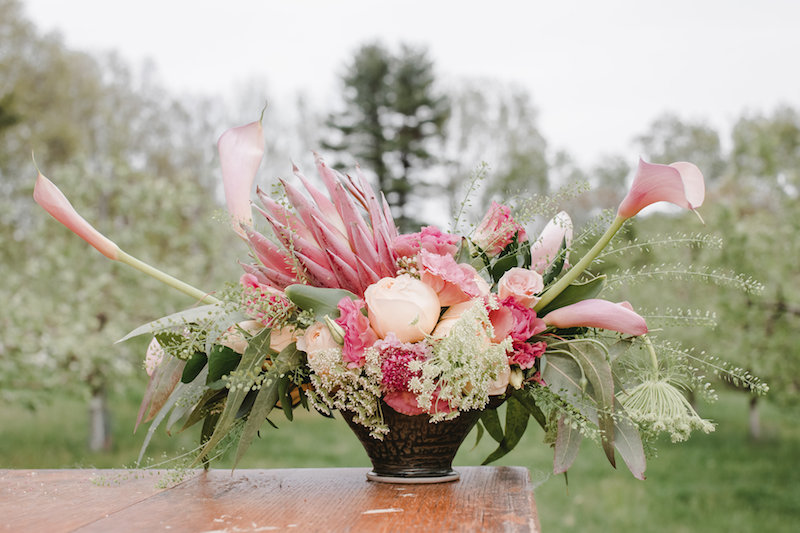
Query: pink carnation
(358, 335)
(525, 354)
(516, 321)
(430, 238)
(497, 230)
(453, 282)
(395, 357)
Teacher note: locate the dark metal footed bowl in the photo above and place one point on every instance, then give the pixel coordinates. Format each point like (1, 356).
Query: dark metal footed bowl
(415, 450)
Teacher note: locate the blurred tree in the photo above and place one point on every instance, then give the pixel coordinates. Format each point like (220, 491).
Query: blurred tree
(765, 148)
(393, 114)
(138, 164)
(496, 124)
(670, 138)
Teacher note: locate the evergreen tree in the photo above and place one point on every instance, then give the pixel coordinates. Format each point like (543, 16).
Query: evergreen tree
(391, 119)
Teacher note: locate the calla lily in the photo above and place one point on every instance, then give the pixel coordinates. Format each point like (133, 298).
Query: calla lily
(47, 195)
(596, 313)
(547, 246)
(679, 183)
(240, 153)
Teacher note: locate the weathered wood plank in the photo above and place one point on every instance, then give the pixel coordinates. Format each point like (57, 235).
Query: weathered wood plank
(63, 500)
(485, 499)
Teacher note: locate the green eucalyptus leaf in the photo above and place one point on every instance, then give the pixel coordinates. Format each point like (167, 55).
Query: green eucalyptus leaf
(592, 358)
(284, 393)
(567, 445)
(524, 398)
(491, 422)
(194, 365)
(165, 378)
(288, 360)
(320, 301)
(516, 423)
(628, 443)
(249, 365)
(575, 293)
(210, 399)
(478, 434)
(167, 339)
(221, 362)
(203, 314)
(503, 265)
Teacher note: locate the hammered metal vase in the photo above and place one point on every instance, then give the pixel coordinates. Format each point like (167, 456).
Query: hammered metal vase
(415, 450)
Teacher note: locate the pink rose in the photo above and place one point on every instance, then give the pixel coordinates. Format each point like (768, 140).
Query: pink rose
(358, 336)
(406, 403)
(281, 338)
(316, 339)
(499, 385)
(404, 306)
(522, 285)
(450, 317)
(497, 230)
(525, 354)
(234, 339)
(453, 282)
(516, 321)
(430, 238)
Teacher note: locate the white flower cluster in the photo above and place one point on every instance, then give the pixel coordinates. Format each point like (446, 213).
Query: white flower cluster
(357, 390)
(463, 367)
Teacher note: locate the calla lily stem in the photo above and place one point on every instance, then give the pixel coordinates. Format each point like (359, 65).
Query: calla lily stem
(163, 277)
(573, 273)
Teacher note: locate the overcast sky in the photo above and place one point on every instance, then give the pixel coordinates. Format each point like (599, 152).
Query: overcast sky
(599, 71)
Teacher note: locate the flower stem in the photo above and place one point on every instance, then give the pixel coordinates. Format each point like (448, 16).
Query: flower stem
(573, 273)
(175, 283)
(653, 356)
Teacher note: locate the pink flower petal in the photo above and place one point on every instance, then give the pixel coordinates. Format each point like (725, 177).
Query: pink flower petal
(596, 313)
(47, 195)
(679, 183)
(240, 153)
(547, 246)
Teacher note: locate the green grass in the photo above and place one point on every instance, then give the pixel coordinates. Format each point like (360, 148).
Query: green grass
(718, 482)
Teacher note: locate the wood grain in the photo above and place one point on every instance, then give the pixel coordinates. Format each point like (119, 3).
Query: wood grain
(340, 499)
(64, 500)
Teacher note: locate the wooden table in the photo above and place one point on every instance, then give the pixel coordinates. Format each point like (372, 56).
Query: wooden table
(330, 499)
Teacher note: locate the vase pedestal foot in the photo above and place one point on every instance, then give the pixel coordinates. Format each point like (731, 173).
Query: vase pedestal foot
(382, 478)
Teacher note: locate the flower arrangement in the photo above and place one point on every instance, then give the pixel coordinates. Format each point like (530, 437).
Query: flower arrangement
(341, 311)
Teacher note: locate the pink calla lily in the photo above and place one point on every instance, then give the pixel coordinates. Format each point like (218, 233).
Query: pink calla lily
(547, 246)
(596, 313)
(240, 153)
(680, 183)
(47, 195)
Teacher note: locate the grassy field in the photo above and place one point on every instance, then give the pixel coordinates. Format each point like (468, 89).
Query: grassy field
(718, 482)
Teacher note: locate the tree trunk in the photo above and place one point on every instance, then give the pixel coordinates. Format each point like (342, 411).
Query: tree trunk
(755, 421)
(99, 422)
